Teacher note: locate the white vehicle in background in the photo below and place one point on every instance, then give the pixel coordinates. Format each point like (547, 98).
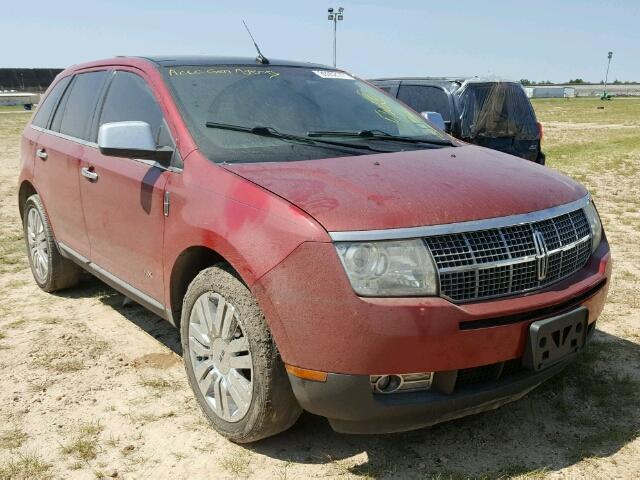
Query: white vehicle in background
(13, 98)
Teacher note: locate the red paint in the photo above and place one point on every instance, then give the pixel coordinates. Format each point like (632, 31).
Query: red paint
(416, 188)
(124, 220)
(270, 221)
(57, 181)
(348, 334)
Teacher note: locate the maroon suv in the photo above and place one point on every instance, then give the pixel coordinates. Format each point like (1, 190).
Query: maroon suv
(319, 245)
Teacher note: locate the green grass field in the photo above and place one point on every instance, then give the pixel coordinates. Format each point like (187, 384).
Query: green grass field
(12, 108)
(586, 136)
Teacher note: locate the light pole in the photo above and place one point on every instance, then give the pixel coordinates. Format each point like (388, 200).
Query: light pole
(606, 77)
(334, 17)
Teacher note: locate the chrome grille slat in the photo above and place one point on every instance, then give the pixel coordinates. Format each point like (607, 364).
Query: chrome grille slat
(475, 261)
(495, 262)
(504, 242)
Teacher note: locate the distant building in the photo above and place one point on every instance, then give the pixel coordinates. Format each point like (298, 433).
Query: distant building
(550, 92)
(10, 99)
(582, 90)
(27, 79)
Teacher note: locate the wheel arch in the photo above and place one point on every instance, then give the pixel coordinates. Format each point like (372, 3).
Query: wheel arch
(26, 190)
(186, 267)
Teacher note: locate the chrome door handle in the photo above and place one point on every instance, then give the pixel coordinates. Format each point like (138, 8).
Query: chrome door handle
(88, 173)
(40, 153)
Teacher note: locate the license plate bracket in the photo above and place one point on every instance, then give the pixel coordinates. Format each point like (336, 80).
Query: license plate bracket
(554, 339)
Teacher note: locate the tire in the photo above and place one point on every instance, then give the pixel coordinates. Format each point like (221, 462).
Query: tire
(223, 331)
(50, 269)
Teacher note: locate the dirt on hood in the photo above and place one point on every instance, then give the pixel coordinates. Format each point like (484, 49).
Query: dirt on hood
(414, 188)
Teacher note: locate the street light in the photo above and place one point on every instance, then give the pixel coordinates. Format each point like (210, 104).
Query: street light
(335, 17)
(606, 77)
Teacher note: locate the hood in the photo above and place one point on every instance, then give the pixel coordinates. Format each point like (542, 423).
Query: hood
(415, 188)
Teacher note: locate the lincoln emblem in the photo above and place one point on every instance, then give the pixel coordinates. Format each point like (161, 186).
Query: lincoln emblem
(542, 254)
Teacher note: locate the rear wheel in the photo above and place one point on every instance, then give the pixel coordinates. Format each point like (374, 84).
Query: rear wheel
(232, 363)
(50, 269)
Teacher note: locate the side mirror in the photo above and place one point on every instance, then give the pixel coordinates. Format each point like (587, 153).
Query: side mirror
(131, 140)
(435, 119)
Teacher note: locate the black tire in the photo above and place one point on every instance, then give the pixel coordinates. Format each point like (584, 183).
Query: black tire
(61, 273)
(273, 406)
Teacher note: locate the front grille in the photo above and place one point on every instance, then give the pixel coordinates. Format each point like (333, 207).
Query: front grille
(510, 260)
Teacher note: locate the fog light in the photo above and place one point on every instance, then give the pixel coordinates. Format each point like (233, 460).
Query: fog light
(387, 383)
(410, 382)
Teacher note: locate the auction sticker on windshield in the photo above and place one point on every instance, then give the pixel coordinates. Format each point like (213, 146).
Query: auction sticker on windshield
(333, 74)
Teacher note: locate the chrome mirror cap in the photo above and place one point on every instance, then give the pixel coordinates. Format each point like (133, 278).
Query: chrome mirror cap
(131, 139)
(435, 119)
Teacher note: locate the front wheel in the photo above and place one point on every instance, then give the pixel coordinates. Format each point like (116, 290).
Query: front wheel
(232, 363)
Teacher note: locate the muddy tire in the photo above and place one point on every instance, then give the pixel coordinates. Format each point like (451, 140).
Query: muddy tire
(50, 269)
(232, 363)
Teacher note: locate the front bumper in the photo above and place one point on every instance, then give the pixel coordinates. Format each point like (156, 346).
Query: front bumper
(350, 405)
(319, 323)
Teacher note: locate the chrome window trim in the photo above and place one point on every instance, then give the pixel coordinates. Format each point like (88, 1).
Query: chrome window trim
(149, 163)
(460, 227)
(66, 137)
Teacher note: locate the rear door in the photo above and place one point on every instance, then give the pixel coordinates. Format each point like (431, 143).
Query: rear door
(123, 206)
(59, 152)
(31, 148)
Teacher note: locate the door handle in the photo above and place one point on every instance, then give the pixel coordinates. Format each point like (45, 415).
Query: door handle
(40, 153)
(88, 173)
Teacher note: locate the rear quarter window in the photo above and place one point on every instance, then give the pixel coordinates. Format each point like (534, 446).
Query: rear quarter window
(43, 113)
(424, 98)
(76, 109)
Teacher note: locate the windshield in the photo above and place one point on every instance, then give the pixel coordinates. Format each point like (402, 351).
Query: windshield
(495, 110)
(296, 102)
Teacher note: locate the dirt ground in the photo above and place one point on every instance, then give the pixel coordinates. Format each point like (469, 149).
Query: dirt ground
(90, 388)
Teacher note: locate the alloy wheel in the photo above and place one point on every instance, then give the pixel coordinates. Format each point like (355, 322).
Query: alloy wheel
(220, 356)
(38, 245)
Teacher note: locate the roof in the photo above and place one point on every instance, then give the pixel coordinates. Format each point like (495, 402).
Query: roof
(450, 83)
(442, 79)
(176, 60)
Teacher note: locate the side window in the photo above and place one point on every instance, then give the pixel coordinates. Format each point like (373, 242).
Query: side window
(43, 113)
(129, 98)
(426, 99)
(75, 112)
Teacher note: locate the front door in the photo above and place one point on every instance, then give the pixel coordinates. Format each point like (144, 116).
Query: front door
(123, 198)
(123, 208)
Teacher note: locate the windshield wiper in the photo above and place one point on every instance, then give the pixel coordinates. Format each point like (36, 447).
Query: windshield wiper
(273, 133)
(378, 135)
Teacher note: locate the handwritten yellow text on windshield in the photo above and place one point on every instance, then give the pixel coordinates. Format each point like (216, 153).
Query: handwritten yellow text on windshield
(247, 72)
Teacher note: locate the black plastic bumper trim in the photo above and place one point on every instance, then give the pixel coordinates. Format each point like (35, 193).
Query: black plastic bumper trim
(351, 407)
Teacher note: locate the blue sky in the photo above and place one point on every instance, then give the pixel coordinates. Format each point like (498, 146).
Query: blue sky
(540, 40)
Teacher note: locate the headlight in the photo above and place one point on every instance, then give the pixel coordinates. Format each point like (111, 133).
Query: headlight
(595, 224)
(389, 268)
